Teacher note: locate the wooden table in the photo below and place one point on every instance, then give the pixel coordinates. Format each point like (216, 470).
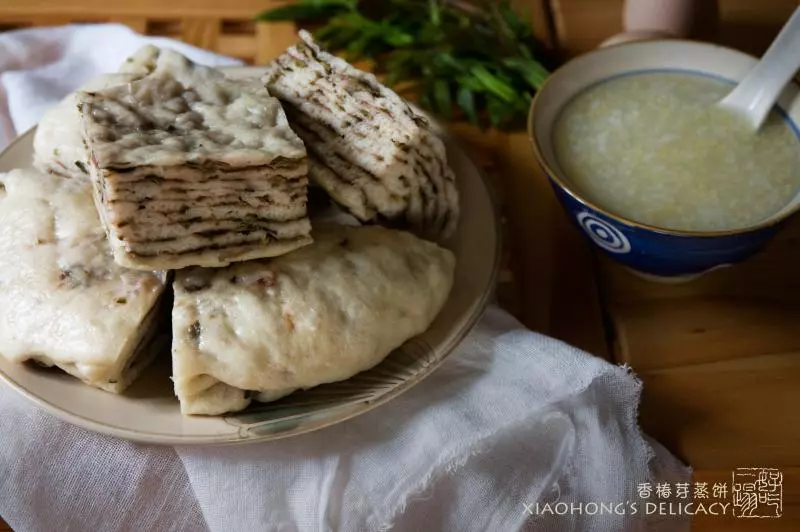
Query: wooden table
(720, 358)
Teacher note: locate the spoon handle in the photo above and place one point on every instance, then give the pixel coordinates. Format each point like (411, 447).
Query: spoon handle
(758, 92)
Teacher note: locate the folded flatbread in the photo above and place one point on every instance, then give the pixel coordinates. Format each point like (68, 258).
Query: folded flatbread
(368, 148)
(63, 300)
(262, 329)
(58, 145)
(191, 168)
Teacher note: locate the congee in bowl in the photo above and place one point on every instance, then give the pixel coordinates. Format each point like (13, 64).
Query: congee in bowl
(652, 170)
(653, 147)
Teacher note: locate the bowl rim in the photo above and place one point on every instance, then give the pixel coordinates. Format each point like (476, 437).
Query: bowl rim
(562, 184)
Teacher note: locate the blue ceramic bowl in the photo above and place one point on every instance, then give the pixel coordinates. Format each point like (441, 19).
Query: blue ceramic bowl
(658, 253)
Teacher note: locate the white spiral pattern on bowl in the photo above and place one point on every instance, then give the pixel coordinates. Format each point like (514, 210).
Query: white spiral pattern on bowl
(604, 234)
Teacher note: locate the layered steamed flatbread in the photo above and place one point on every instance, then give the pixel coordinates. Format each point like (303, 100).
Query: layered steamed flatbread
(193, 168)
(63, 299)
(262, 329)
(58, 145)
(368, 148)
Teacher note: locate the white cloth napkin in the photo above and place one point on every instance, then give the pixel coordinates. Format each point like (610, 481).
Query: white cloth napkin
(512, 418)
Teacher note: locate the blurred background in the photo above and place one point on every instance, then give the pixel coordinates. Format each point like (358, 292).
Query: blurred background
(572, 26)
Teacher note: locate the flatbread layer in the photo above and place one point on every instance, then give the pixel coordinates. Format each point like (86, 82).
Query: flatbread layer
(353, 124)
(63, 300)
(191, 168)
(262, 329)
(58, 145)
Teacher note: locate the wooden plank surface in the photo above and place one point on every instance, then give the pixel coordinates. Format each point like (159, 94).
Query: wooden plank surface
(720, 354)
(552, 267)
(149, 8)
(555, 275)
(201, 32)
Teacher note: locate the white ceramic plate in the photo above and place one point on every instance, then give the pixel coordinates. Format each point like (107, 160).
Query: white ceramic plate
(148, 411)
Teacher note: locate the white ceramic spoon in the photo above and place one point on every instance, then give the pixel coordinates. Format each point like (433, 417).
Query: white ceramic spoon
(755, 95)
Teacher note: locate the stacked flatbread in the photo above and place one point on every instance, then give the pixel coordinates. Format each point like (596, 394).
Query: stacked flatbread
(63, 299)
(168, 165)
(58, 144)
(262, 329)
(192, 168)
(368, 148)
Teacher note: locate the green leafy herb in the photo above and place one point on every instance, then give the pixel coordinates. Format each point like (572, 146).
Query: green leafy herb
(441, 93)
(308, 10)
(477, 56)
(466, 100)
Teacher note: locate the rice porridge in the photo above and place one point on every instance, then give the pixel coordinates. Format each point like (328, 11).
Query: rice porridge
(654, 148)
